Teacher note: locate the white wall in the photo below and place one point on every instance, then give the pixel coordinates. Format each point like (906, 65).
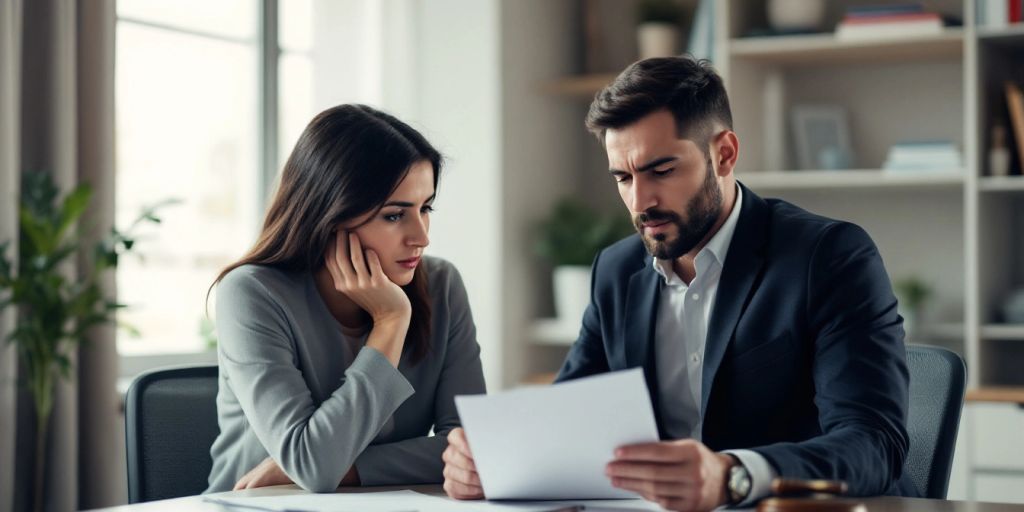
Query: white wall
(457, 107)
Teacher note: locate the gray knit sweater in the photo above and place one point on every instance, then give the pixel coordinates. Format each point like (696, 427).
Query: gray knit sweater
(296, 387)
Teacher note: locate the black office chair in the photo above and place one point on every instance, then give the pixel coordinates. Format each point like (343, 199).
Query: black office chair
(937, 381)
(170, 423)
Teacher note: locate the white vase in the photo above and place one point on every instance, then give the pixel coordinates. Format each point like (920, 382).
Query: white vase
(572, 292)
(657, 39)
(796, 15)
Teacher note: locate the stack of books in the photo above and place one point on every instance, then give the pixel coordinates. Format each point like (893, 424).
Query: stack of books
(888, 21)
(998, 13)
(924, 156)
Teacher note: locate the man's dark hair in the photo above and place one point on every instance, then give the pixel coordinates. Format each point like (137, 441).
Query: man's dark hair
(688, 88)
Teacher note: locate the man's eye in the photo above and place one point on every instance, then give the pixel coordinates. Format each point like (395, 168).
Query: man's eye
(622, 178)
(664, 172)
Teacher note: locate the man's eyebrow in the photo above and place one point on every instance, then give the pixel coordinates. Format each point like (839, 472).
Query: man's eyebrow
(648, 166)
(407, 204)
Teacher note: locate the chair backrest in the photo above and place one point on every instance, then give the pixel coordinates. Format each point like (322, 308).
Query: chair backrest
(937, 381)
(170, 424)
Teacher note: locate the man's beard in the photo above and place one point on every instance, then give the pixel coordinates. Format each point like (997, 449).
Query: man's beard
(702, 213)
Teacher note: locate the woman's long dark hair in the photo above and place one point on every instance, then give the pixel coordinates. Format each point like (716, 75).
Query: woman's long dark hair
(347, 162)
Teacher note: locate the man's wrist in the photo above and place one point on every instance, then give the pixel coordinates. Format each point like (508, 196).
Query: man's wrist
(728, 461)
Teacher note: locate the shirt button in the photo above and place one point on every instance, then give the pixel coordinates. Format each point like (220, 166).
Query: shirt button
(695, 296)
(695, 358)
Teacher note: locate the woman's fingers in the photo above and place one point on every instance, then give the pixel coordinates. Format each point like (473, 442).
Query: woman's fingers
(373, 264)
(342, 263)
(357, 260)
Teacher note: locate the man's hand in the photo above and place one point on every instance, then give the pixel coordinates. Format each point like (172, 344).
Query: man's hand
(678, 475)
(264, 474)
(460, 478)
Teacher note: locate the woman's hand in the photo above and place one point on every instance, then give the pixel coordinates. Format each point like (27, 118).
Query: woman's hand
(268, 473)
(361, 279)
(265, 473)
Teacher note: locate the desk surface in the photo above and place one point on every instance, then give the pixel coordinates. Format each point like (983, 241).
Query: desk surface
(886, 504)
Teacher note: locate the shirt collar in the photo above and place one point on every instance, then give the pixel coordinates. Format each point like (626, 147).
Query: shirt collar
(717, 247)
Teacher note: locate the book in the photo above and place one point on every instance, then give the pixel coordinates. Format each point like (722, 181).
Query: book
(881, 10)
(993, 13)
(924, 156)
(1015, 104)
(898, 25)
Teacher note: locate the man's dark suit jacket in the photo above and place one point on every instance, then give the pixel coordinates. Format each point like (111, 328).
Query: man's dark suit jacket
(804, 359)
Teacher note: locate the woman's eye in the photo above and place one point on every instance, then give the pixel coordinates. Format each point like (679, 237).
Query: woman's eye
(427, 209)
(393, 217)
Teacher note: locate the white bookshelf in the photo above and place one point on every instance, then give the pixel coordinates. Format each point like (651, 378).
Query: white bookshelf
(1003, 332)
(1001, 184)
(850, 179)
(806, 50)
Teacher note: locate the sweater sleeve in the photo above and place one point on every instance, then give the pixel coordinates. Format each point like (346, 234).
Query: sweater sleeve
(257, 352)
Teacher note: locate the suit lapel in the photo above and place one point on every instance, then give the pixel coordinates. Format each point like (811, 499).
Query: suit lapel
(742, 266)
(638, 327)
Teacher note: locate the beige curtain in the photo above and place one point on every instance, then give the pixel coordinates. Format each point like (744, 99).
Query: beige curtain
(57, 115)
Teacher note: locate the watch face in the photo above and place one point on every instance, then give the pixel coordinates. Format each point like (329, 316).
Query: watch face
(739, 483)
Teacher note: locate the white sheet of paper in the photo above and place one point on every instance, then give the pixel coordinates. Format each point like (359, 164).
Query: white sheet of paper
(398, 501)
(390, 501)
(554, 442)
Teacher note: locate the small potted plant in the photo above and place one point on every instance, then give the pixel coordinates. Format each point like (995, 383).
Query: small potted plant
(912, 294)
(657, 32)
(569, 239)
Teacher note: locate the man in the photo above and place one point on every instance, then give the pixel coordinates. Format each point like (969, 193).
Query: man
(768, 335)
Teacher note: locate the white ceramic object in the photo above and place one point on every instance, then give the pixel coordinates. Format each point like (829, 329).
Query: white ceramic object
(657, 39)
(794, 15)
(572, 292)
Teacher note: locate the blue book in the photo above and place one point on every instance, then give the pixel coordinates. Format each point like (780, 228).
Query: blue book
(868, 11)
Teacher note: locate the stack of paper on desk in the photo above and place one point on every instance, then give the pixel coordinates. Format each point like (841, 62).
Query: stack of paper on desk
(554, 442)
(408, 501)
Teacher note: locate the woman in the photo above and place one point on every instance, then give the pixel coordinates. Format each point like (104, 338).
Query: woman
(340, 345)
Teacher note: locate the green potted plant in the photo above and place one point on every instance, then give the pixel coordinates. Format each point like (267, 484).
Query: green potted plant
(912, 293)
(569, 239)
(54, 312)
(658, 23)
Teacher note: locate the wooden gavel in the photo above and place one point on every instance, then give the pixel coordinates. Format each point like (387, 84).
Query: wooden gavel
(790, 495)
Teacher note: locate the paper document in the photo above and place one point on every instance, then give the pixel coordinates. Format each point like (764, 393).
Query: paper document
(399, 501)
(554, 442)
(396, 501)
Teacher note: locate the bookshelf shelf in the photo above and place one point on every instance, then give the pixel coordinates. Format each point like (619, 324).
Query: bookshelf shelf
(847, 179)
(1003, 332)
(1001, 184)
(943, 330)
(579, 86)
(996, 394)
(552, 331)
(1010, 32)
(813, 49)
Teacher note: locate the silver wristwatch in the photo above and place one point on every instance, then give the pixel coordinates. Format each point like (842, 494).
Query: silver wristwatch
(738, 484)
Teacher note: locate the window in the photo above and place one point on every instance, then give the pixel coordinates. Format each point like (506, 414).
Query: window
(192, 82)
(211, 97)
(187, 121)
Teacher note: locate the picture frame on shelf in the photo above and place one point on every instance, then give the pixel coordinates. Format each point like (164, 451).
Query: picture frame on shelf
(822, 137)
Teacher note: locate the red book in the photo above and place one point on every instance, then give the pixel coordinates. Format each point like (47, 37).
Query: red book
(1015, 10)
(891, 18)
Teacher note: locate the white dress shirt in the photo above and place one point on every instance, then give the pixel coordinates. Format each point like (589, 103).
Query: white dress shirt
(684, 312)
